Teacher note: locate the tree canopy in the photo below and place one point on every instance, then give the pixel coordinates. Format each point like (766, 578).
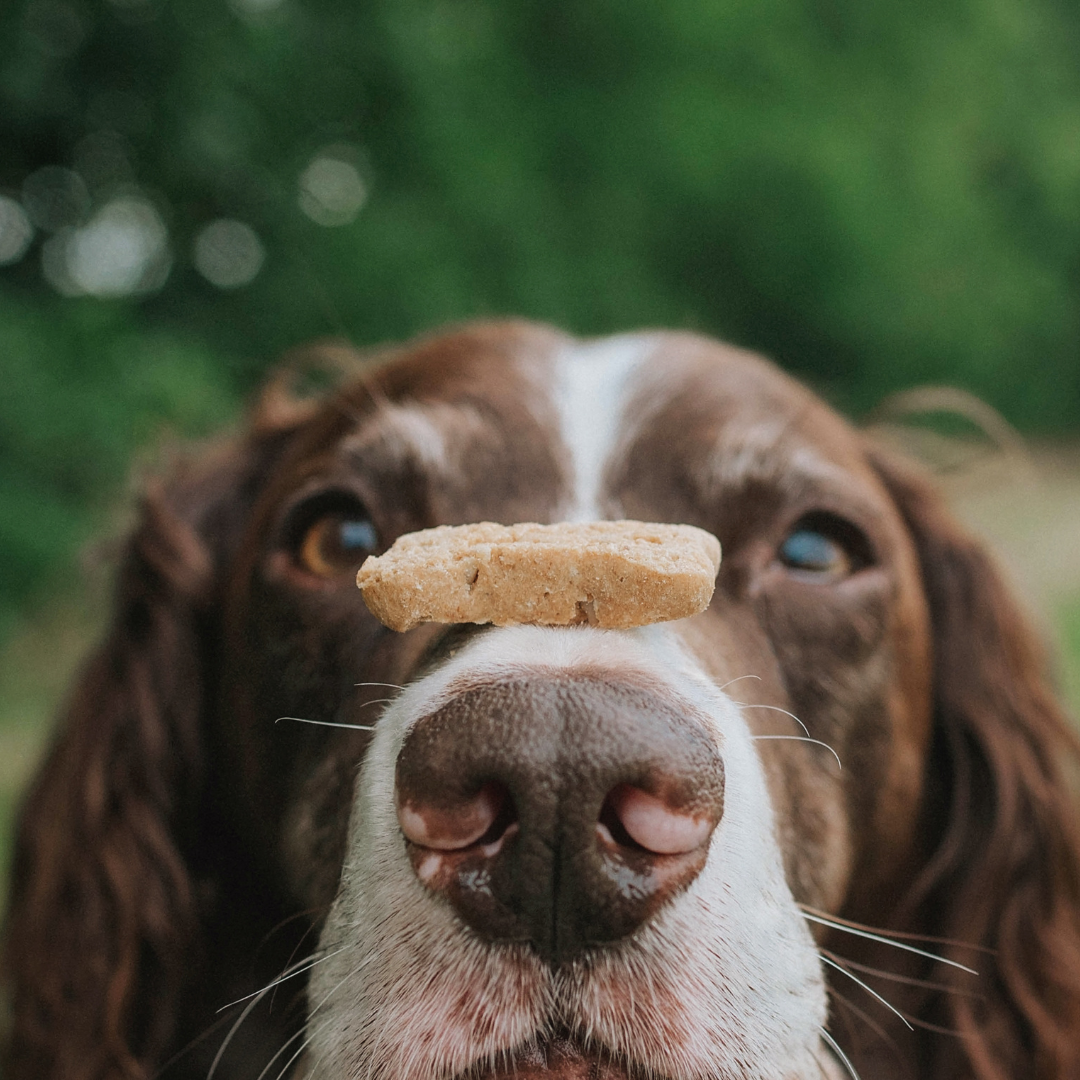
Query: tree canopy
(875, 195)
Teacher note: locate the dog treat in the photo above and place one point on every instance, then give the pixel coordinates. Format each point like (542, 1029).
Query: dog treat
(615, 574)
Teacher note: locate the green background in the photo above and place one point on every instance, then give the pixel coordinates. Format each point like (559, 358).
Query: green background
(876, 195)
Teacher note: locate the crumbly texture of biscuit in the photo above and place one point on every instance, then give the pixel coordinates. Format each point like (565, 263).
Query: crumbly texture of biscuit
(615, 574)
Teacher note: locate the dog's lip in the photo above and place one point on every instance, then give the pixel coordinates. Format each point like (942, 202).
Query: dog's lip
(561, 1058)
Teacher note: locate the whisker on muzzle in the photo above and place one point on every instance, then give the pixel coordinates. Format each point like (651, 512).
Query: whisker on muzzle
(285, 1046)
(906, 980)
(302, 966)
(835, 1047)
(865, 1018)
(296, 969)
(329, 723)
(773, 708)
(800, 738)
(812, 915)
(739, 678)
(836, 966)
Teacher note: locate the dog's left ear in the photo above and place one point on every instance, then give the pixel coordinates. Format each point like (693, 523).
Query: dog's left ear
(102, 931)
(1001, 815)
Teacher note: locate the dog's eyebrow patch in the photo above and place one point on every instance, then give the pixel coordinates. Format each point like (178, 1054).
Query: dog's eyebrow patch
(423, 433)
(758, 454)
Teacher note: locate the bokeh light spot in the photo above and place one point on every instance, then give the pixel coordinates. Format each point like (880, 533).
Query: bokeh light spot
(331, 189)
(16, 231)
(228, 253)
(122, 251)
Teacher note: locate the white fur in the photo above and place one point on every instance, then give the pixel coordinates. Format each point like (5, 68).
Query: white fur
(590, 391)
(724, 984)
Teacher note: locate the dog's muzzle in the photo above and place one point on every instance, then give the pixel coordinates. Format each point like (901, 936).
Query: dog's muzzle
(560, 811)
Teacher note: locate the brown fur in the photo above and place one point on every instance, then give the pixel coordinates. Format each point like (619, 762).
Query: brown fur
(145, 891)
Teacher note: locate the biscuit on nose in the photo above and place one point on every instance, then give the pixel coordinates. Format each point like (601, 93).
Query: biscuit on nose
(611, 574)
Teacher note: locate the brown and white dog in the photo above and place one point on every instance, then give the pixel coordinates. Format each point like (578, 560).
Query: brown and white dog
(860, 717)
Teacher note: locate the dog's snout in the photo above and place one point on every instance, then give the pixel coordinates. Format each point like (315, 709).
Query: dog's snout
(562, 811)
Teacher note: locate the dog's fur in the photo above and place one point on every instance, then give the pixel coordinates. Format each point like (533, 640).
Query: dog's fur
(182, 848)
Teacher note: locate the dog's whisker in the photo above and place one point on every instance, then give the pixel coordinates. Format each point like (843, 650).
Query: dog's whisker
(847, 929)
(326, 723)
(865, 1018)
(835, 1047)
(298, 968)
(731, 682)
(209, 1030)
(936, 1028)
(284, 1046)
(907, 980)
(869, 989)
(773, 708)
(914, 1020)
(921, 983)
(232, 1032)
(296, 948)
(296, 916)
(800, 738)
(900, 935)
(392, 686)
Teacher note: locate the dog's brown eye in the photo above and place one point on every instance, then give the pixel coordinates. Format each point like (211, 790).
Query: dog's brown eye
(337, 543)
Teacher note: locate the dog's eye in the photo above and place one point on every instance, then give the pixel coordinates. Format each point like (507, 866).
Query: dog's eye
(336, 543)
(825, 547)
(813, 553)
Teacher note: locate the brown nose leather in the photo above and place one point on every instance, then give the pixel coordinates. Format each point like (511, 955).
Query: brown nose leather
(562, 811)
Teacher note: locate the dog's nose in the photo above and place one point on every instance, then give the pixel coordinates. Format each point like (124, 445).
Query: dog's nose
(562, 811)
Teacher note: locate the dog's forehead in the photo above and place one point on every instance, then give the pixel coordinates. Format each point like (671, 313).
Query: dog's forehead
(588, 406)
(623, 380)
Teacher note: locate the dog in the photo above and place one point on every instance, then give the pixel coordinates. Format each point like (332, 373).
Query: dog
(217, 874)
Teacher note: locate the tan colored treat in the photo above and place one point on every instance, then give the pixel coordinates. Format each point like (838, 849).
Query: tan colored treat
(614, 574)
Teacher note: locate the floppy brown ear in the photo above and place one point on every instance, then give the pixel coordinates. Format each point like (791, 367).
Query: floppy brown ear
(1002, 819)
(102, 930)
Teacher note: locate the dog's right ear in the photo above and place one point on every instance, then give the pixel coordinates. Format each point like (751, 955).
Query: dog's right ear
(102, 932)
(1002, 819)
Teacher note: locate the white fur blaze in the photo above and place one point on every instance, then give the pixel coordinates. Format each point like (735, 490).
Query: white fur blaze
(591, 387)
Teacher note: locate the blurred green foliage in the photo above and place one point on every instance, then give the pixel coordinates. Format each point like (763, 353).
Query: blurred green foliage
(876, 195)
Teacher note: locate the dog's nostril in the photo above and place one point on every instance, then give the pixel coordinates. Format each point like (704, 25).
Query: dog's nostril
(631, 817)
(481, 819)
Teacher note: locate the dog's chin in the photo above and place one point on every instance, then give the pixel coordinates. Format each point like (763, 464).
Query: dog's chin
(557, 1058)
